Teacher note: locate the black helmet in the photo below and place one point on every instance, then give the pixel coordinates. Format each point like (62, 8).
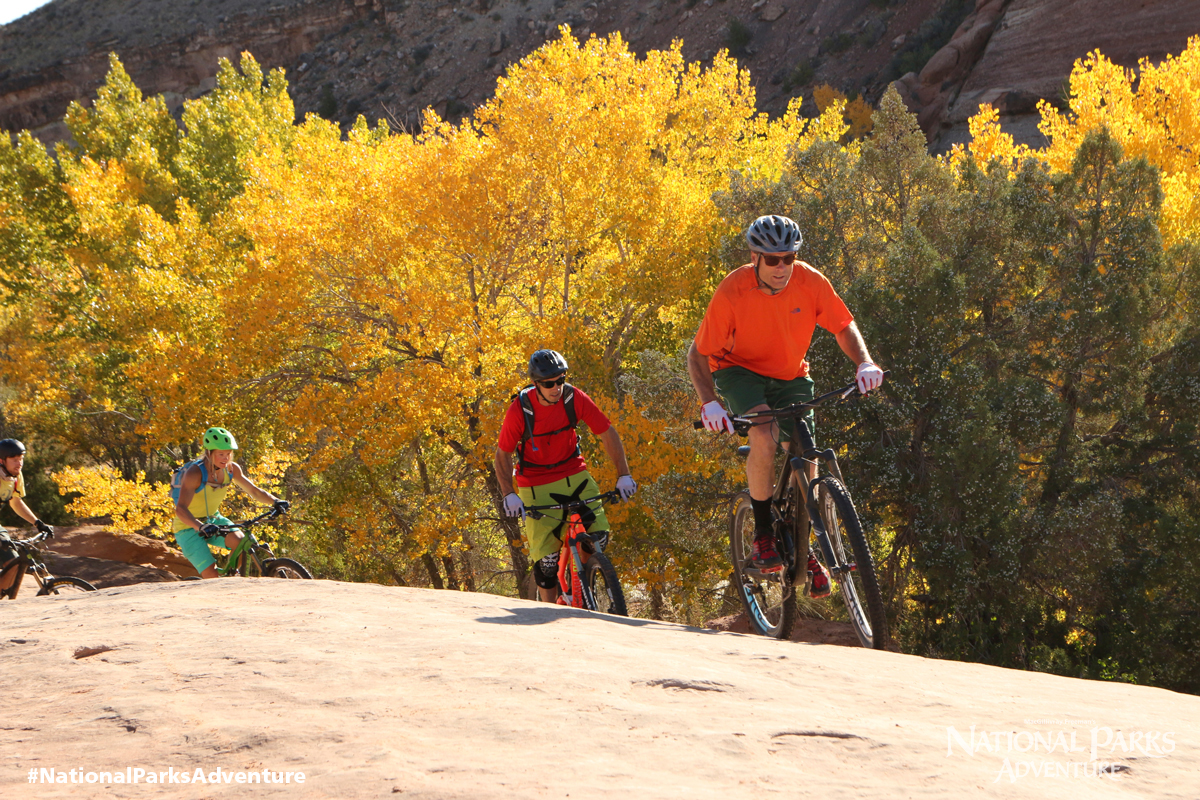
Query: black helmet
(10, 448)
(774, 234)
(545, 364)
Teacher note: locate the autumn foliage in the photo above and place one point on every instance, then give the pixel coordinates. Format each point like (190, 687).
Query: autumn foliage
(359, 309)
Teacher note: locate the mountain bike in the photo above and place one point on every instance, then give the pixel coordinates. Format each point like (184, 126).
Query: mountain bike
(28, 561)
(586, 578)
(803, 510)
(253, 559)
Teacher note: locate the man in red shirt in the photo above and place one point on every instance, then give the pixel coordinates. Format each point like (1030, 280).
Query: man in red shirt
(550, 468)
(752, 345)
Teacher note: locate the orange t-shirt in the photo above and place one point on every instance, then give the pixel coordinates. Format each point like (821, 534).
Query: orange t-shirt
(769, 334)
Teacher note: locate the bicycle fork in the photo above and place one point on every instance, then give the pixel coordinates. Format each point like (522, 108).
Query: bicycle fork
(814, 512)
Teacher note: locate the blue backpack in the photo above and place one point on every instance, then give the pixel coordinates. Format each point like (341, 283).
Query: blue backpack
(177, 478)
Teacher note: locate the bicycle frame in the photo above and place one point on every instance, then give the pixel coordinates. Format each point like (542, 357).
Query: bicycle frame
(249, 545)
(797, 455)
(27, 563)
(573, 588)
(571, 585)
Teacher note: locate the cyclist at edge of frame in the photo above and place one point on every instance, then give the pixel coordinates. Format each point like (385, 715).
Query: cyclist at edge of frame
(197, 508)
(539, 427)
(752, 346)
(12, 491)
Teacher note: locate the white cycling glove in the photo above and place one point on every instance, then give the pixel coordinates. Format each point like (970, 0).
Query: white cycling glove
(626, 486)
(714, 417)
(514, 506)
(869, 377)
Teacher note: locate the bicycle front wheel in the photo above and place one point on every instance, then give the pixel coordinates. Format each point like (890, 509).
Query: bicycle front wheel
(769, 600)
(285, 568)
(600, 576)
(65, 584)
(853, 570)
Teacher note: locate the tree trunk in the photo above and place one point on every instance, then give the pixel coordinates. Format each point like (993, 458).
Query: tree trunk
(451, 573)
(435, 577)
(512, 532)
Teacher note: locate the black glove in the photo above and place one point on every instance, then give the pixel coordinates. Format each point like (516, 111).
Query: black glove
(209, 531)
(282, 506)
(43, 528)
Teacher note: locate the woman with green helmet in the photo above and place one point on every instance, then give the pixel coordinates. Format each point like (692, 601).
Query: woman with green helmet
(199, 488)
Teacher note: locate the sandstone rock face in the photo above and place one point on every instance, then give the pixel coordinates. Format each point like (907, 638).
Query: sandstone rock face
(94, 541)
(44, 68)
(101, 573)
(374, 691)
(1013, 53)
(391, 59)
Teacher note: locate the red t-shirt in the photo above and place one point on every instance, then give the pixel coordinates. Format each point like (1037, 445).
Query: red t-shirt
(542, 449)
(769, 334)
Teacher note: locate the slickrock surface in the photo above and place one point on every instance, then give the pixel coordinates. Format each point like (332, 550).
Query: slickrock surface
(375, 691)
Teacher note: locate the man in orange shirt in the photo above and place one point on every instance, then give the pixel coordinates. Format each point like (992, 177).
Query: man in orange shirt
(752, 345)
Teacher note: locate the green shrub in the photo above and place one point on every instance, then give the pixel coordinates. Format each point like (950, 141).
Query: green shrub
(738, 36)
(326, 102)
(801, 75)
(838, 43)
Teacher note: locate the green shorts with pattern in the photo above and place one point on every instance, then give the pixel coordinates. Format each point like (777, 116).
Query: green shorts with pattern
(743, 390)
(545, 534)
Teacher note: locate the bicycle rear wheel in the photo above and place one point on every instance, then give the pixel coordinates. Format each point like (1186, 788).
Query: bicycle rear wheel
(600, 576)
(853, 570)
(770, 602)
(285, 568)
(65, 584)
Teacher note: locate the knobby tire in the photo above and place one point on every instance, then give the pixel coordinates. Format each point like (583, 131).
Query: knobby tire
(860, 585)
(771, 609)
(65, 584)
(285, 568)
(601, 579)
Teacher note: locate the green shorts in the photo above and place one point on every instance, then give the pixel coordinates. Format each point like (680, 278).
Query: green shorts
(545, 534)
(743, 390)
(195, 546)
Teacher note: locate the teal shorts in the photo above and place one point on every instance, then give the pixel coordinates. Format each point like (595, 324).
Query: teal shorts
(743, 390)
(195, 546)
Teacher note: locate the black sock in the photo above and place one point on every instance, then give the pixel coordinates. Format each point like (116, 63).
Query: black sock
(763, 523)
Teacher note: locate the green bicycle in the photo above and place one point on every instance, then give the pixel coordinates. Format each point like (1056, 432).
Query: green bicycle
(253, 559)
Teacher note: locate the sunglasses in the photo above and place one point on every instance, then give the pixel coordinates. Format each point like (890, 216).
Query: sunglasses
(773, 261)
(550, 384)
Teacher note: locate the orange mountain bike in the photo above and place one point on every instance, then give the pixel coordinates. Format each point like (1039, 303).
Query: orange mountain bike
(586, 578)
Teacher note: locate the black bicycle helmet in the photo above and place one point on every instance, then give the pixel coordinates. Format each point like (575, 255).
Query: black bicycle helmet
(546, 364)
(774, 234)
(10, 448)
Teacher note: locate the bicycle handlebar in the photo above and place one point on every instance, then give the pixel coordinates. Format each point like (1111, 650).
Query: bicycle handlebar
(40, 537)
(744, 423)
(608, 497)
(266, 516)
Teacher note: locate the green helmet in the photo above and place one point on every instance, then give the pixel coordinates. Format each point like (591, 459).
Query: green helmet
(219, 439)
